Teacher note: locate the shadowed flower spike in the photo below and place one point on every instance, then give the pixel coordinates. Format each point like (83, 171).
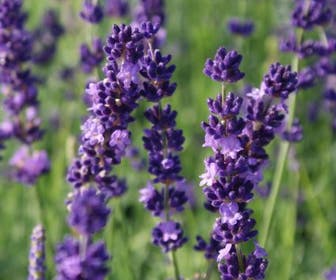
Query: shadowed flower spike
(225, 66)
(240, 27)
(37, 254)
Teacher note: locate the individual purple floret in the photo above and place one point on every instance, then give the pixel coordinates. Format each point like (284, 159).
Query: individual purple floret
(168, 235)
(91, 12)
(116, 8)
(74, 264)
(91, 57)
(280, 81)
(307, 14)
(37, 254)
(331, 274)
(225, 66)
(28, 166)
(240, 27)
(88, 213)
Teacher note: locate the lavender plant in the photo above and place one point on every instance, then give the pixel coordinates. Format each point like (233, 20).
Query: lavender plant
(163, 142)
(19, 88)
(237, 131)
(105, 137)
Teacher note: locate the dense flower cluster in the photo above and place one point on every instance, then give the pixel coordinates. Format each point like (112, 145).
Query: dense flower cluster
(37, 254)
(163, 142)
(45, 38)
(237, 131)
(239, 27)
(18, 87)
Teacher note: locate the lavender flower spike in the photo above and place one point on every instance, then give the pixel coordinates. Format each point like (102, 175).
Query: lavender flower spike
(37, 254)
(237, 138)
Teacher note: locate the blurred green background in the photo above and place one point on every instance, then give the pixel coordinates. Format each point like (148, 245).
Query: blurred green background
(302, 239)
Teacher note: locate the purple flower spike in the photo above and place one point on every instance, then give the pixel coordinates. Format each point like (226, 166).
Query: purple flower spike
(225, 66)
(88, 213)
(37, 254)
(280, 81)
(91, 13)
(240, 27)
(168, 235)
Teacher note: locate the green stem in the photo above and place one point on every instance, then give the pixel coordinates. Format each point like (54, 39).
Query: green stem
(284, 147)
(209, 270)
(175, 264)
